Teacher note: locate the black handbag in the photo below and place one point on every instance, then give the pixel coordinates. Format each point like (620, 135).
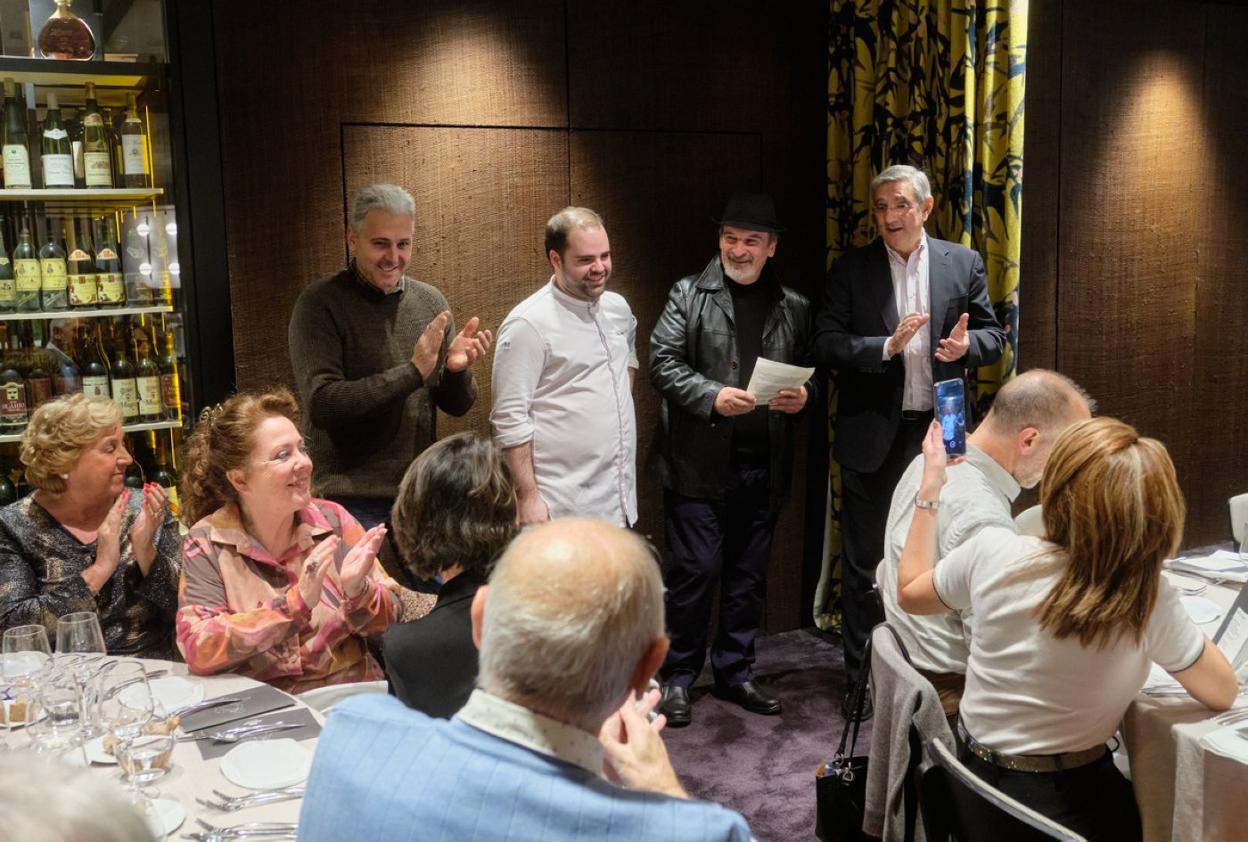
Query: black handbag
(841, 784)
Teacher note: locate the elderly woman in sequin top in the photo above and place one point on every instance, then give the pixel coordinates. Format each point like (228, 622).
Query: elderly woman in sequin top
(82, 541)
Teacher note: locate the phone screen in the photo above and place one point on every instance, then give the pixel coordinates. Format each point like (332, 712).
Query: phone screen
(951, 413)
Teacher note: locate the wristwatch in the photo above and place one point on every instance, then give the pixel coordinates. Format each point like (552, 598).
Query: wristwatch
(925, 504)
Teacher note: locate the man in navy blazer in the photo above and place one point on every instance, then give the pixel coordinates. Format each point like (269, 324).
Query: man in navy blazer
(553, 743)
(899, 314)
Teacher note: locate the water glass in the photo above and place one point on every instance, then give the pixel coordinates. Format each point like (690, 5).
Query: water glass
(59, 726)
(125, 701)
(80, 643)
(24, 658)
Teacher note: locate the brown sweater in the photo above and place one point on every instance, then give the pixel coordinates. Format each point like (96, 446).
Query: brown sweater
(368, 412)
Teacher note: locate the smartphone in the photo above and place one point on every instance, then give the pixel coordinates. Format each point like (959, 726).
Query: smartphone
(950, 405)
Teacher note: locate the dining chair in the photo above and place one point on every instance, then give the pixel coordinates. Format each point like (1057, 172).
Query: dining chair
(324, 698)
(1239, 519)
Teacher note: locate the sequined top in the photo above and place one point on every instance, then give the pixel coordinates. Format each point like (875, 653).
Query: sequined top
(241, 609)
(40, 566)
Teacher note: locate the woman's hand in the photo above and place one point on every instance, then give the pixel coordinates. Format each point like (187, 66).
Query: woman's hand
(107, 546)
(934, 462)
(143, 530)
(315, 566)
(358, 564)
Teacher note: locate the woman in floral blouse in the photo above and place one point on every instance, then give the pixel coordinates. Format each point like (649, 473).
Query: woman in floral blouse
(82, 541)
(276, 584)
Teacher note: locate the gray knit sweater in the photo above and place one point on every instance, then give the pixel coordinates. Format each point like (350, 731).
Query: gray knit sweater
(368, 413)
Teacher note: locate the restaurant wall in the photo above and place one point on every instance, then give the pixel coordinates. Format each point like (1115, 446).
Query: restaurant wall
(496, 113)
(1135, 223)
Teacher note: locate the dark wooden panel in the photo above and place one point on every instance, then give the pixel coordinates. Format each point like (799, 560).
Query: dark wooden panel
(482, 200)
(658, 194)
(1220, 455)
(1038, 272)
(1132, 213)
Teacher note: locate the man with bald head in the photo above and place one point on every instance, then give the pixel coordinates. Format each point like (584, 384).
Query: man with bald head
(554, 743)
(1006, 453)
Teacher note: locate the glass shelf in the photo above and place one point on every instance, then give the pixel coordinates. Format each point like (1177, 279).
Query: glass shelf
(48, 72)
(8, 438)
(119, 195)
(83, 313)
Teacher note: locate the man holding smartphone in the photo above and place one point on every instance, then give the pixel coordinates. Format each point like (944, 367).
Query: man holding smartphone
(899, 315)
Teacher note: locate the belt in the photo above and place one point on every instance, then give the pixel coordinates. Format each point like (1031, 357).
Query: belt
(916, 415)
(1031, 762)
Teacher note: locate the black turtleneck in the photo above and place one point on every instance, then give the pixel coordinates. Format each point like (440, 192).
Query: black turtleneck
(750, 305)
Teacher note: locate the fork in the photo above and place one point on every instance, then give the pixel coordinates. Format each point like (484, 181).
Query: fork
(222, 837)
(250, 828)
(231, 803)
(1231, 716)
(234, 735)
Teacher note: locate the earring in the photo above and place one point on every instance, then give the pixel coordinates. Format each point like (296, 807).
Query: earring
(64, 476)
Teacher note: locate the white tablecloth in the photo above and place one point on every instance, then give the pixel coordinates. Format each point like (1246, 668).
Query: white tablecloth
(1186, 793)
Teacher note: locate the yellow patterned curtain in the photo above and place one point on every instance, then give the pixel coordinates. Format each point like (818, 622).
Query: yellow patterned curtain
(938, 84)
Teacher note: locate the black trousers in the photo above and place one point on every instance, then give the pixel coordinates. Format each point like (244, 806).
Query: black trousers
(865, 499)
(1095, 801)
(726, 542)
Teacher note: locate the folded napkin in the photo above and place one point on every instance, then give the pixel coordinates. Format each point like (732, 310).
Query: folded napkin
(250, 703)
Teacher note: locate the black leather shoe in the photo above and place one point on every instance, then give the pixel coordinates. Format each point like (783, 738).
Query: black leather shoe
(847, 707)
(675, 705)
(750, 696)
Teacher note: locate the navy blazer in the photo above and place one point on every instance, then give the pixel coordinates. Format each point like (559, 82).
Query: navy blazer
(858, 316)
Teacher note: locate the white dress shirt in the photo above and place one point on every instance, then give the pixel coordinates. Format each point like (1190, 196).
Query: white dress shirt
(517, 724)
(561, 381)
(912, 292)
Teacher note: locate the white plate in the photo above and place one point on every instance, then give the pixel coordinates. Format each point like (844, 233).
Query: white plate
(97, 754)
(169, 693)
(1201, 610)
(166, 816)
(266, 764)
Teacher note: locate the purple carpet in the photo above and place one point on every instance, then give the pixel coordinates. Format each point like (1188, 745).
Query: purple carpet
(764, 766)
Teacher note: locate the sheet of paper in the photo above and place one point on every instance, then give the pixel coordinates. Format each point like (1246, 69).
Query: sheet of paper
(770, 377)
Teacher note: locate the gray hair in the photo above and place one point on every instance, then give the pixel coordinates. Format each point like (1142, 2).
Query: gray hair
(390, 198)
(558, 226)
(1038, 398)
(903, 172)
(56, 803)
(573, 607)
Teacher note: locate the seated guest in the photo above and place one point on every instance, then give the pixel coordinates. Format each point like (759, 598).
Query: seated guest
(1066, 627)
(553, 744)
(81, 541)
(1005, 454)
(54, 802)
(455, 512)
(276, 585)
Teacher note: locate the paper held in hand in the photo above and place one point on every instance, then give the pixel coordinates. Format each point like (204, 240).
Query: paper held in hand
(770, 377)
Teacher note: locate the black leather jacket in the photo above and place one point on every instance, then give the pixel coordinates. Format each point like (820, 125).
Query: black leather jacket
(693, 354)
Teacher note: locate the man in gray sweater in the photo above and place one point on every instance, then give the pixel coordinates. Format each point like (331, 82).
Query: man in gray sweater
(375, 355)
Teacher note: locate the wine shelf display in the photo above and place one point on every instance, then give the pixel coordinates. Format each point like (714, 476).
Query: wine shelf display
(9, 438)
(88, 313)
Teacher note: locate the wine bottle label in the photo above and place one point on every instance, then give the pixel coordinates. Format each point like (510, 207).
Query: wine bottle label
(12, 404)
(82, 290)
(58, 170)
(134, 154)
(55, 134)
(67, 384)
(16, 167)
(93, 118)
(112, 287)
(175, 502)
(171, 394)
(98, 172)
(54, 275)
(106, 254)
(4, 261)
(79, 254)
(149, 395)
(95, 386)
(8, 291)
(126, 396)
(40, 390)
(27, 275)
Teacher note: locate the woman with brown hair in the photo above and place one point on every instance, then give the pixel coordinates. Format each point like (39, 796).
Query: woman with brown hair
(1064, 628)
(276, 584)
(454, 515)
(83, 542)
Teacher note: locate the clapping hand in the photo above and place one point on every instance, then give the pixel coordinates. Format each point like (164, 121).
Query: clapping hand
(906, 329)
(955, 347)
(143, 530)
(359, 562)
(468, 347)
(108, 537)
(315, 566)
(429, 345)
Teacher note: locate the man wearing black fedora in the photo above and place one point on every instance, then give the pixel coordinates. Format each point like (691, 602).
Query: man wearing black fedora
(725, 462)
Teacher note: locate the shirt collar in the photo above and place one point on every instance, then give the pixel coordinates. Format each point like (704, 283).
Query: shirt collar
(918, 252)
(998, 476)
(226, 525)
(517, 724)
(571, 301)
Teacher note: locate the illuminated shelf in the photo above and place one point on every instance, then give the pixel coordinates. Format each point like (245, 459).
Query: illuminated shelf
(47, 72)
(6, 438)
(81, 313)
(86, 195)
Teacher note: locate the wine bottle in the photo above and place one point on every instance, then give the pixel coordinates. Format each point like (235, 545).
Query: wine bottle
(134, 147)
(109, 279)
(13, 414)
(38, 382)
(83, 288)
(67, 379)
(16, 153)
(134, 471)
(166, 476)
(94, 366)
(96, 155)
(147, 379)
(125, 390)
(58, 158)
(74, 126)
(114, 144)
(54, 286)
(8, 288)
(27, 277)
(65, 35)
(170, 379)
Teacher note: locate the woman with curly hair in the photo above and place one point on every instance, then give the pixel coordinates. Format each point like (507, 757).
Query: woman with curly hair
(81, 541)
(454, 515)
(276, 584)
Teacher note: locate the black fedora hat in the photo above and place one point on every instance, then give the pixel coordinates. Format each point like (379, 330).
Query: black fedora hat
(754, 211)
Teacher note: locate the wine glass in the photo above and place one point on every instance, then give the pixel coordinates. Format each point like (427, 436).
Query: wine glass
(24, 656)
(125, 702)
(80, 642)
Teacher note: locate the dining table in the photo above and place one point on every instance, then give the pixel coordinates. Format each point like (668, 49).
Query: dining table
(1186, 790)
